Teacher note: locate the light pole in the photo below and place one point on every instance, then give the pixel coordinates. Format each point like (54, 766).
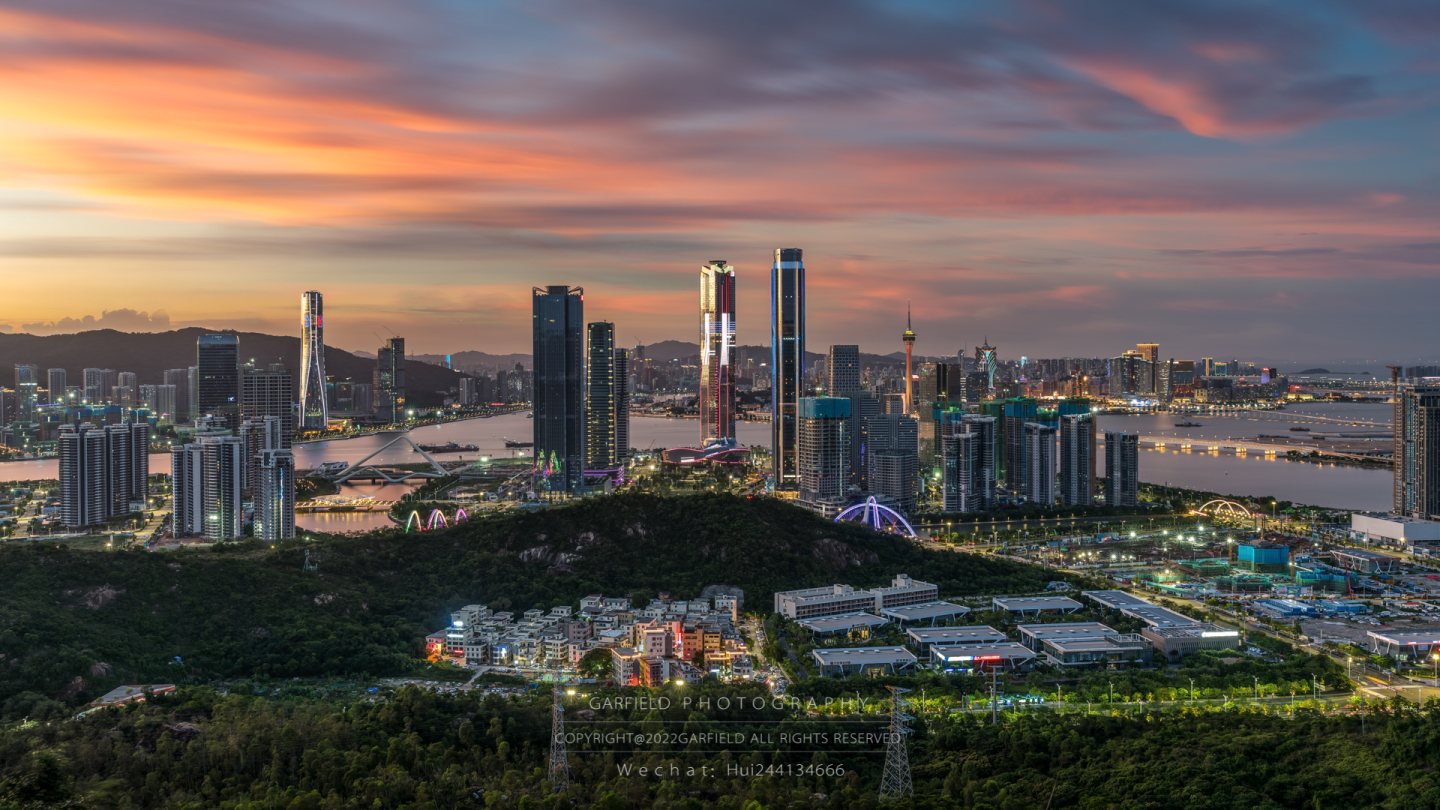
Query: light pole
(1257, 686)
(1112, 691)
(1192, 690)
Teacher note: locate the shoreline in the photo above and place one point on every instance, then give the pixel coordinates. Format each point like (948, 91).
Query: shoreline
(403, 430)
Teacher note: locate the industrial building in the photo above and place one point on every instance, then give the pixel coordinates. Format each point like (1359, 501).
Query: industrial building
(925, 611)
(1035, 605)
(1392, 530)
(1033, 635)
(832, 600)
(1411, 645)
(1103, 651)
(1266, 558)
(843, 623)
(1180, 640)
(839, 663)
(1005, 655)
(1365, 561)
(923, 637)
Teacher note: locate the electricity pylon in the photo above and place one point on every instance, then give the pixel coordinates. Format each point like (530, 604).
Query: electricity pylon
(895, 783)
(559, 760)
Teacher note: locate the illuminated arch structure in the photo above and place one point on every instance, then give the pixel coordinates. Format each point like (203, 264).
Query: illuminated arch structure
(877, 516)
(437, 520)
(1223, 508)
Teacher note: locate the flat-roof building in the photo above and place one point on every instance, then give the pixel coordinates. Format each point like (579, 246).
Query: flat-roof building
(1035, 605)
(833, 600)
(1404, 644)
(1157, 616)
(1365, 561)
(843, 623)
(1101, 651)
(1393, 530)
(863, 660)
(1004, 656)
(922, 637)
(1114, 600)
(1176, 641)
(925, 611)
(1032, 635)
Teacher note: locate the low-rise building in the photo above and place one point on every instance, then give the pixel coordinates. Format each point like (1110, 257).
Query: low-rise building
(1392, 530)
(834, 663)
(1004, 656)
(923, 637)
(1035, 605)
(1175, 641)
(1404, 645)
(1365, 561)
(1033, 635)
(924, 611)
(844, 623)
(1113, 650)
(832, 600)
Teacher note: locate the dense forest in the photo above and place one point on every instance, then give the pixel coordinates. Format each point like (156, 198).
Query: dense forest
(74, 624)
(423, 751)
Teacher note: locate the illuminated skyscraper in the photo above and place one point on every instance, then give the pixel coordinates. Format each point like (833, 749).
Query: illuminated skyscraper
(1122, 468)
(315, 412)
(823, 452)
(601, 399)
(717, 352)
(909, 339)
(1077, 459)
(275, 495)
(1417, 452)
(389, 387)
(1151, 352)
(987, 363)
(842, 371)
(787, 362)
(558, 314)
(1040, 463)
(218, 363)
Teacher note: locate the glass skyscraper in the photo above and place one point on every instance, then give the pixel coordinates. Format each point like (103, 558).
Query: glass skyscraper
(787, 363)
(218, 377)
(602, 399)
(717, 352)
(558, 314)
(390, 380)
(314, 410)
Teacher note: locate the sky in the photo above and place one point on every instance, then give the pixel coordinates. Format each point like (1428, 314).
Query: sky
(1232, 179)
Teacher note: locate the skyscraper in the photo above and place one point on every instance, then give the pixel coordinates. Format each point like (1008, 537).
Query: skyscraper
(558, 314)
(863, 405)
(313, 406)
(1151, 353)
(206, 478)
(622, 406)
(1417, 452)
(390, 381)
(98, 382)
(822, 452)
(1077, 459)
(987, 363)
(27, 391)
(842, 370)
(275, 495)
(218, 363)
(787, 363)
(270, 393)
(180, 379)
(908, 338)
(1122, 468)
(962, 476)
(717, 352)
(1040, 463)
(1018, 411)
(601, 400)
(987, 442)
(55, 384)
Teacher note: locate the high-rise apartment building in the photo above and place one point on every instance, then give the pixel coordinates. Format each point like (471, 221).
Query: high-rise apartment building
(622, 406)
(275, 495)
(558, 314)
(602, 451)
(27, 392)
(967, 483)
(192, 376)
(842, 371)
(1151, 353)
(1122, 468)
(270, 392)
(217, 361)
(103, 470)
(258, 433)
(787, 363)
(180, 379)
(1040, 463)
(207, 478)
(891, 454)
(314, 409)
(1417, 452)
(55, 384)
(1077, 459)
(717, 352)
(822, 452)
(862, 406)
(1018, 411)
(130, 380)
(389, 388)
(98, 382)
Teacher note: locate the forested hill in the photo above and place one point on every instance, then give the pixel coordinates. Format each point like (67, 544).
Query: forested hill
(149, 355)
(75, 622)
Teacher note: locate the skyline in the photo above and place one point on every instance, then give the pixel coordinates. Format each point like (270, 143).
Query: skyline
(1224, 179)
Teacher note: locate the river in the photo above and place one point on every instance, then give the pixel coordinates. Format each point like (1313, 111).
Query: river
(1302, 482)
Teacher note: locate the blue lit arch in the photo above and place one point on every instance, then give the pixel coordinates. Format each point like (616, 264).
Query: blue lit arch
(877, 516)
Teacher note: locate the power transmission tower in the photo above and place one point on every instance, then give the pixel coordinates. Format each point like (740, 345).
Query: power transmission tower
(895, 783)
(559, 760)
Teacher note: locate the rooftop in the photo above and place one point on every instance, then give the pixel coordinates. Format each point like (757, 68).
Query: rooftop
(928, 610)
(930, 635)
(863, 655)
(1363, 554)
(1036, 603)
(1157, 616)
(845, 621)
(1404, 637)
(1114, 599)
(1193, 631)
(982, 652)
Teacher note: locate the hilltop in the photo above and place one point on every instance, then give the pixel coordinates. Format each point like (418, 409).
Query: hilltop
(73, 622)
(149, 355)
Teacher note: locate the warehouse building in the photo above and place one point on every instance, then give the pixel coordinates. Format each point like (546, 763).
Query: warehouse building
(1035, 605)
(1174, 641)
(1406, 645)
(1005, 656)
(1114, 600)
(1365, 561)
(925, 611)
(1115, 650)
(1393, 530)
(844, 623)
(1033, 635)
(923, 637)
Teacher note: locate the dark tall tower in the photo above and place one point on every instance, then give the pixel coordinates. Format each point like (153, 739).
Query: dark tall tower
(717, 352)
(601, 399)
(389, 388)
(787, 362)
(217, 364)
(559, 386)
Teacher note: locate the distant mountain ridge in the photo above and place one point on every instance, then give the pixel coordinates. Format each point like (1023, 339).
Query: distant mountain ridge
(149, 355)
